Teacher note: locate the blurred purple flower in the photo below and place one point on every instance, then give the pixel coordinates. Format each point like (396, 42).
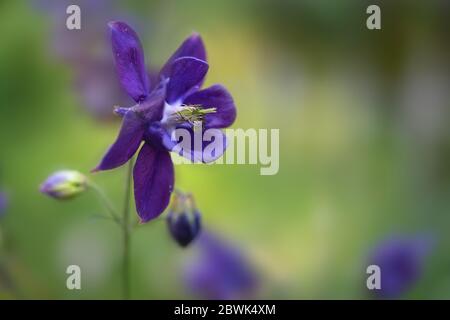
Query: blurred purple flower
(97, 83)
(3, 203)
(74, 46)
(220, 271)
(401, 261)
(184, 219)
(161, 107)
(87, 52)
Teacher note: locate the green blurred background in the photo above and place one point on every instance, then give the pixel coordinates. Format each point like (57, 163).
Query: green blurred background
(364, 146)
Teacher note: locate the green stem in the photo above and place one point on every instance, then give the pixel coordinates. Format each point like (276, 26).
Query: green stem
(126, 234)
(106, 202)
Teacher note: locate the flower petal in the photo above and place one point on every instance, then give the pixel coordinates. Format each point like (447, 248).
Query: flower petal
(185, 75)
(153, 182)
(191, 47)
(130, 62)
(200, 146)
(126, 145)
(217, 97)
(159, 137)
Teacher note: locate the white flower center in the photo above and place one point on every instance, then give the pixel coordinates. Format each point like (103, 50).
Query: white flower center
(176, 113)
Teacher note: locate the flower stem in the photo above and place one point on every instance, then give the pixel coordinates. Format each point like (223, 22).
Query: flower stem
(126, 233)
(106, 202)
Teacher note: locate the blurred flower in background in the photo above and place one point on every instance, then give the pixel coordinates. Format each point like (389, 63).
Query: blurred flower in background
(3, 207)
(220, 271)
(3, 203)
(7, 286)
(88, 53)
(401, 260)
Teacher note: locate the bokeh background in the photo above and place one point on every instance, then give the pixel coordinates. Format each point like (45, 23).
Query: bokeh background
(364, 144)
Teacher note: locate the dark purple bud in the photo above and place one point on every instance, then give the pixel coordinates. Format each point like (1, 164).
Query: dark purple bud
(184, 220)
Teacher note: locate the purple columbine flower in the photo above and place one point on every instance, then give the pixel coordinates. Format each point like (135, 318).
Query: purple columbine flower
(401, 261)
(220, 271)
(174, 100)
(184, 219)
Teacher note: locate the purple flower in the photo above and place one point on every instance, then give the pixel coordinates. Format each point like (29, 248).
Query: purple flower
(98, 88)
(3, 203)
(184, 219)
(220, 271)
(401, 261)
(171, 102)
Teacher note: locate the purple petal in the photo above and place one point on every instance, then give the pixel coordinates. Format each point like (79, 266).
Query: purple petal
(130, 62)
(205, 146)
(159, 137)
(153, 182)
(191, 47)
(185, 75)
(126, 145)
(98, 86)
(151, 109)
(217, 97)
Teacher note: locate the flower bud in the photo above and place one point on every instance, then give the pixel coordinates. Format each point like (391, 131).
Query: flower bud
(64, 184)
(184, 220)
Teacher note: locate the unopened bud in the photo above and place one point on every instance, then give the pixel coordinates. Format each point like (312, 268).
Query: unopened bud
(64, 184)
(184, 220)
